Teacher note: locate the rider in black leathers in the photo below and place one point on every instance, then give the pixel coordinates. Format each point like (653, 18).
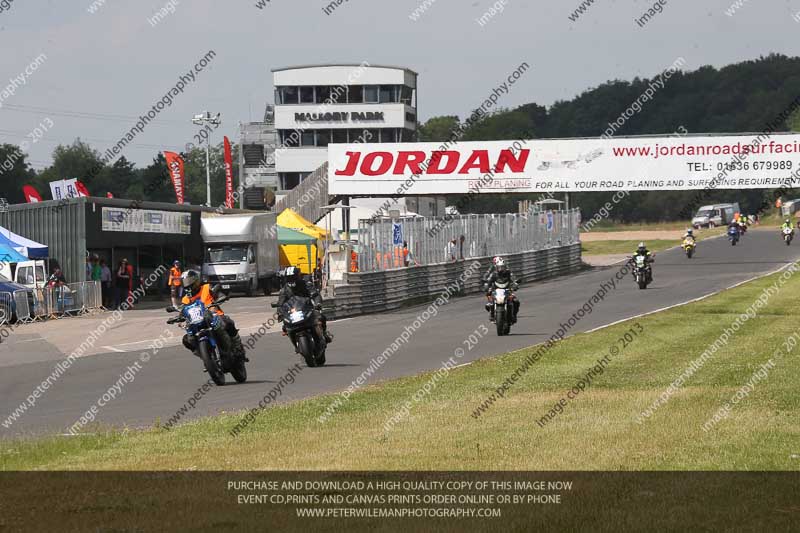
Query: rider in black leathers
(503, 275)
(295, 285)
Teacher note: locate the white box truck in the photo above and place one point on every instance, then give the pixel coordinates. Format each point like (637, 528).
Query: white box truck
(715, 215)
(241, 252)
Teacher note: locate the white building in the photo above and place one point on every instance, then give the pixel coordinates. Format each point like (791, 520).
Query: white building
(320, 104)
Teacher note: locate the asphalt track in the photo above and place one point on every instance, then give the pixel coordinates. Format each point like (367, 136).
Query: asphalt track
(172, 375)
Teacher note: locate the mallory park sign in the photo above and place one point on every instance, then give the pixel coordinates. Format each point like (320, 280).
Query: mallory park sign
(566, 165)
(355, 116)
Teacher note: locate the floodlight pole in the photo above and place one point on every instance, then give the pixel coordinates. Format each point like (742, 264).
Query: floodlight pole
(206, 117)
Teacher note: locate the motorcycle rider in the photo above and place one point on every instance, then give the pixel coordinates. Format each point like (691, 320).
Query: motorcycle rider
(648, 259)
(787, 224)
(226, 333)
(735, 225)
(492, 268)
(690, 235)
(295, 285)
(502, 274)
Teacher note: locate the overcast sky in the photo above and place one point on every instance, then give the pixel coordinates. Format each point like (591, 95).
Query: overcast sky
(113, 64)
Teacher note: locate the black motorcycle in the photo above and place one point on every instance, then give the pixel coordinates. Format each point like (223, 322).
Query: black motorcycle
(643, 273)
(200, 322)
(300, 323)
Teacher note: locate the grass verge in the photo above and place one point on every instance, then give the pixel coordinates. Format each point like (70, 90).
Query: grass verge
(598, 430)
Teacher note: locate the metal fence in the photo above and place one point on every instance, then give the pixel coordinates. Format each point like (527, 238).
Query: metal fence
(51, 302)
(434, 240)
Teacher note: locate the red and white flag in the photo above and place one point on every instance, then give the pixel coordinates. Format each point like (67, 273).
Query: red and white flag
(175, 166)
(81, 188)
(32, 196)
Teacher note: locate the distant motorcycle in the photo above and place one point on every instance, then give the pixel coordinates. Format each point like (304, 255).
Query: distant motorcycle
(689, 246)
(503, 302)
(300, 324)
(643, 273)
(733, 235)
(200, 322)
(788, 235)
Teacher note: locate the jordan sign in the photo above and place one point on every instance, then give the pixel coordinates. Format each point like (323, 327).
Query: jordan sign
(566, 165)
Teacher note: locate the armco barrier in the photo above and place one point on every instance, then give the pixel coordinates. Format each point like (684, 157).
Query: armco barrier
(373, 292)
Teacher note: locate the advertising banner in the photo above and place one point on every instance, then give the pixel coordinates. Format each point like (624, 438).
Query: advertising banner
(146, 221)
(228, 175)
(32, 196)
(566, 165)
(175, 166)
(63, 189)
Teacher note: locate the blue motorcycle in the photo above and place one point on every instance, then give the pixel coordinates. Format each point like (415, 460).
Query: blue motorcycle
(733, 235)
(200, 324)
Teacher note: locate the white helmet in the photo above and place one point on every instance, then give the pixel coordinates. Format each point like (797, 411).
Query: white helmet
(500, 264)
(496, 259)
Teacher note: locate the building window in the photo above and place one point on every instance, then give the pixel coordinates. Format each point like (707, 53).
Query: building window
(406, 95)
(289, 180)
(290, 138)
(307, 138)
(411, 117)
(388, 94)
(355, 94)
(323, 94)
(388, 135)
(408, 136)
(323, 137)
(338, 94)
(371, 94)
(363, 136)
(339, 136)
(306, 95)
(372, 136)
(287, 95)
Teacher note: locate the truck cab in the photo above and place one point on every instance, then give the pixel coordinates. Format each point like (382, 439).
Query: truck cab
(232, 265)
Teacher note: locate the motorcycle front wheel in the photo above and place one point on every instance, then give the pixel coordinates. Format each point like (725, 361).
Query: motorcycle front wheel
(211, 365)
(500, 321)
(304, 347)
(239, 372)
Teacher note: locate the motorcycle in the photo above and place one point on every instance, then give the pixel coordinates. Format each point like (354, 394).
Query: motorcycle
(503, 302)
(200, 322)
(733, 235)
(688, 247)
(788, 235)
(643, 273)
(299, 320)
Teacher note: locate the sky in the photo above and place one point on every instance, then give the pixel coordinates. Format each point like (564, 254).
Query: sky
(103, 69)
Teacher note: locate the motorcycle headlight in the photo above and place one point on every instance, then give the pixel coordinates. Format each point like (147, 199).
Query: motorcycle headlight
(296, 316)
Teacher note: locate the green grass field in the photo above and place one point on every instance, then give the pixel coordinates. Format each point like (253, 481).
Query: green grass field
(628, 246)
(598, 430)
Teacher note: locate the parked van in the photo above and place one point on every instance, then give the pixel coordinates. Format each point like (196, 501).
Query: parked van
(709, 216)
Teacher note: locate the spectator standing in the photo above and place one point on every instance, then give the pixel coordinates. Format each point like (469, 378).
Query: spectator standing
(123, 283)
(175, 285)
(105, 282)
(450, 251)
(96, 270)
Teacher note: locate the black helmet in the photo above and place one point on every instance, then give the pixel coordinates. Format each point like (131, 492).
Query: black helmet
(190, 279)
(292, 275)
